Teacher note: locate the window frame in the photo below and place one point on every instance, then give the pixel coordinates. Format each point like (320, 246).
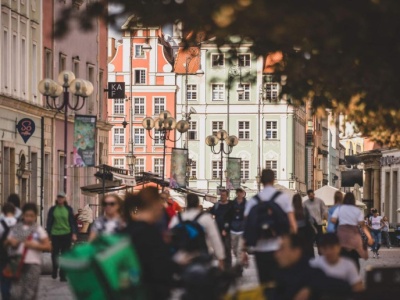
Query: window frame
(120, 135)
(272, 130)
(120, 105)
(240, 61)
(246, 95)
(139, 133)
(245, 131)
(220, 58)
(193, 170)
(158, 104)
(142, 54)
(140, 106)
(270, 89)
(141, 76)
(137, 165)
(216, 170)
(192, 130)
(119, 165)
(157, 138)
(245, 169)
(269, 164)
(220, 91)
(160, 165)
(192, 92)
(215, 131)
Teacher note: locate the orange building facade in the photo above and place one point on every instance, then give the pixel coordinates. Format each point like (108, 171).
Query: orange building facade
(150, 88)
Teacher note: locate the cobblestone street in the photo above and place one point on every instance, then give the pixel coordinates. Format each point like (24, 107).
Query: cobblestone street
(54, 290)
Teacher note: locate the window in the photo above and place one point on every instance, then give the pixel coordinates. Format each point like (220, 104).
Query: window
(75, 67)
(14, 81)
(216, 169)
(319, 184)
(5, 59)
(139, 136)
(62, 62)
(140, 76)
(159, 105)
(139, 106)
(245, 169)
(271, 130)
(100, 94)
(192, 92)
(119, 106)
(157, 137)
(244, 60)
(216, 126)
(119, 163)
(218, 92)
(246, 93)
(139, 53)
(158, 166)
(272, 91)
(61, 164)
(119, 136)
(193, 170)
(273, 165)
(217, 60)
(34, 70)
(23, 66)
(48, 61)
(91, 99)
(192, 131)
(139, 168)
(244, 130)
(320, 164)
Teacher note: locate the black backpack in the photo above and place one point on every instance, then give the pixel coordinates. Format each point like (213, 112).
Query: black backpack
(266, 220)
(189, 235)
(3, 249)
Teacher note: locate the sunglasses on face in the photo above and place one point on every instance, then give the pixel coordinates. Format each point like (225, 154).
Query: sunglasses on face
(108, 204)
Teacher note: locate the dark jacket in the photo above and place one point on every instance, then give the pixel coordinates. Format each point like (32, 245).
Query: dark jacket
(223, 214)
(237, 224)
(71, 219)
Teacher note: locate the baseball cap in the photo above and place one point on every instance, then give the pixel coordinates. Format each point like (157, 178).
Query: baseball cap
(61, 195)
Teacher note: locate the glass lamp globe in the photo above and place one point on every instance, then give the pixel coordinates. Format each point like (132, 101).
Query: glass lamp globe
(165, 115)
(222, 135)
(49, 87)
(182, 126)
(211, 141)
(158, 124)
(232, 141)
(148, 123)
(65, 78)
(170, 123)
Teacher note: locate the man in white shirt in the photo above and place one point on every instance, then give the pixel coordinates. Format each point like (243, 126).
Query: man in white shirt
(265, 248)
(213, 237)
(318, 212)
(335, 266)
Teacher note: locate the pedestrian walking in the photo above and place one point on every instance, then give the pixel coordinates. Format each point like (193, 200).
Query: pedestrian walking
(237, 226)
(143, 211)
(111, 221)
(61, 226)
(338, 199)
(350, 219)
(385, 232)
(28, 240)
(7, 222)
(333, 265)
(376, 225)
(267, 244)
(223, 214)
(305, 227)
(194, 214)
(318, 212)
(16, 201)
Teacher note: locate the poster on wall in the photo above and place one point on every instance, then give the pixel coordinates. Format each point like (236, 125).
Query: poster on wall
(233, 173)
(84, 141)
(178, 168)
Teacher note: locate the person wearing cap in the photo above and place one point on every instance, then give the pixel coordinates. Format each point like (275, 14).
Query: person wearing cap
(237, 225)
(62, 228)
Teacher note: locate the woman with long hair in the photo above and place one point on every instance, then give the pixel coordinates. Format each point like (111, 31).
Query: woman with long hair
(350, 221)
(305, 228)
(143, 212)
(111, 221)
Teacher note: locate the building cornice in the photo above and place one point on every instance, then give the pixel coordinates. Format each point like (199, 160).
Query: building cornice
(23, 106)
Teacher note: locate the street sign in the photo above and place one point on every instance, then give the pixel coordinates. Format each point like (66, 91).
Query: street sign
(116, 90)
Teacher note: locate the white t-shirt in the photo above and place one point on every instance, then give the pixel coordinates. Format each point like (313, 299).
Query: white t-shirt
(348, 215)
(33, 257)
(344, 269)
(10, 222)
(283, 200)
(376, 222)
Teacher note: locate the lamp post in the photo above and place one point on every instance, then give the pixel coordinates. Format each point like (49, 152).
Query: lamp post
(198, 73)
(222, 138)
(52, 90)
(131, 161)
(234, 71)
(165, 123)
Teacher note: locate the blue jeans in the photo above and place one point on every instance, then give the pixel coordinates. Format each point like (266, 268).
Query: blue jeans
(5, 284)
(377, 235)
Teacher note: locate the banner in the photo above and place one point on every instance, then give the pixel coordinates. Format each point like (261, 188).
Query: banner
(233, 179)
(26, 128)
(84, 141)
(179, 159)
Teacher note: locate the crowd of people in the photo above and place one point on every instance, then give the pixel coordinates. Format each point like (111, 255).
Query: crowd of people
(280, 232)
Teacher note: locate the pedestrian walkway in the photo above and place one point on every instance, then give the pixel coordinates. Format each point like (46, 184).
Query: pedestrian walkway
(51, 289)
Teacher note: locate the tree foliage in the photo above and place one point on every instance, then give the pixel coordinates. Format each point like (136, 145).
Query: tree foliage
(342, 54)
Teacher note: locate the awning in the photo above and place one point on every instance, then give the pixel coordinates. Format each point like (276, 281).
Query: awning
(109, 187)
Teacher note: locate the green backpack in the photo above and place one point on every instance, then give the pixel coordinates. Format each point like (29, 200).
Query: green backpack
(107, 268)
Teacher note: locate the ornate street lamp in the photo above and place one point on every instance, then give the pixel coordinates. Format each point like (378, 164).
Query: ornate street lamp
(165, 123)
(53, 90)
(222, 138)
(131, 161)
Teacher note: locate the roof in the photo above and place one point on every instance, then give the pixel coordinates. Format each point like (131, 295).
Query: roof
(190, 55)
(326, 194)
(272, 59)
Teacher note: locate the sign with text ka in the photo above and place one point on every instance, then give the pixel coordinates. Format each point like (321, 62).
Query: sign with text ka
(116, 90)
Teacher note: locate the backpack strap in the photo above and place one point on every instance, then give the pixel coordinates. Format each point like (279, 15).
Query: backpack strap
(275, 195)
(180, 217)
(257, 197)
(5, 232)
(198, 216)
